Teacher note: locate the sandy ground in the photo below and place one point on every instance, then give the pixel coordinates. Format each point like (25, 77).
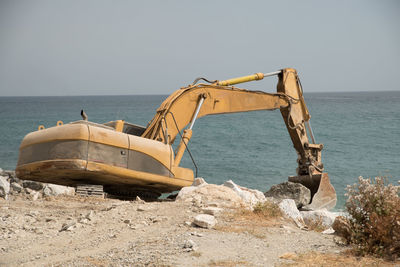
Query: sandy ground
(79, 231)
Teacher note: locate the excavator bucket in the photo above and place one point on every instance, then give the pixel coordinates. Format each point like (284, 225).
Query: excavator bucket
(323, 194)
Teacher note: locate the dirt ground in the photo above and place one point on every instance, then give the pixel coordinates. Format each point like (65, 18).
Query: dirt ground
(81, 231)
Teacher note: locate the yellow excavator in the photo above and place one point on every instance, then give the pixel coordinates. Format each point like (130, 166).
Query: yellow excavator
(128, 158)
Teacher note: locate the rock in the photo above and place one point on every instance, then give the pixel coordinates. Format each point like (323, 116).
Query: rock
(342, 227)
(328, 231)
(199, 181)
(90, 215)
(249, 196)
(4, 187)
(55, 190)
(143, 208)
(139, 200)
(15, 187)
(206, 193)
(211, 210)
(29, 191)
(288, 190)
(205, 221)
(189, 245)
(35, 196)
(37, 186)
(289, 208)
(68, 226)
(326, 218)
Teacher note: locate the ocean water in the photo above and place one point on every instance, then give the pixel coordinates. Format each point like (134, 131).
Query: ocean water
(360, 132)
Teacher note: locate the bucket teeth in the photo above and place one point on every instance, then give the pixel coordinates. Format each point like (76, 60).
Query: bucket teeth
(323, 194)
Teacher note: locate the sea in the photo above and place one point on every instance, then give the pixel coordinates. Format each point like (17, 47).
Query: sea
(360, 132)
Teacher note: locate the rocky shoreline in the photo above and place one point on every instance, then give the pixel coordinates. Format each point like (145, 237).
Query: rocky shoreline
(45, 224)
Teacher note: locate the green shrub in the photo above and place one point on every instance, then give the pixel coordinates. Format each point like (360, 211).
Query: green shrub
(374, 208)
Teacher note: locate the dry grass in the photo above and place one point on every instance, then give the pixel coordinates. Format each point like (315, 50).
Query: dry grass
(335, 260)
(316, 225)
(228, 263)
(196, 254)
(251, 222)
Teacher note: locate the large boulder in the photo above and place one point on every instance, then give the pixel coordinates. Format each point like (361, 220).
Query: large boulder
(229, 194)
(289, 209)
(207, 193)
(55, 190)
(4, 187)
(288, 190)
(250, 196)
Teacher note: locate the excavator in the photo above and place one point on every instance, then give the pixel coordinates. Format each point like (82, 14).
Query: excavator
(129, 159)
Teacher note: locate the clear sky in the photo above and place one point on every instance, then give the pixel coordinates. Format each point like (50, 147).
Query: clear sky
(97, 47)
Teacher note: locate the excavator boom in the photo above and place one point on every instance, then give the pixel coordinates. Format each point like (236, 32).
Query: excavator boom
(218, 97)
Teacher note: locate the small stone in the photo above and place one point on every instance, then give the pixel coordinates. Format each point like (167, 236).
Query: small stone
(127, 221)
(328, 231)
(84, 221)
(35, 196)
(138, 199)
(143, 208)
(90, 215)
(189, 245)
(205, 221)
(212, 210)
(15, 187)
(68, 226)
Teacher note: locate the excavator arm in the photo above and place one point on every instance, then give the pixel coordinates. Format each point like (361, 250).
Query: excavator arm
(187, 104)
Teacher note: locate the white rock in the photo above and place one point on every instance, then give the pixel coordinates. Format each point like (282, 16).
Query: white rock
(328, 231)
(211, 210)
(249, 196)
(55, 190)
(289, 208)
(324, 216)
(207, 193)
(205, 221)
(4, 187)
(35, 196)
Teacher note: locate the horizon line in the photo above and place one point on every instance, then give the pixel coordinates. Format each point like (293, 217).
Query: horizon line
(318, 92)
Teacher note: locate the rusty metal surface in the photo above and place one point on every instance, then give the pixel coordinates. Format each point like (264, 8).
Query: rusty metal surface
(323, 194)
